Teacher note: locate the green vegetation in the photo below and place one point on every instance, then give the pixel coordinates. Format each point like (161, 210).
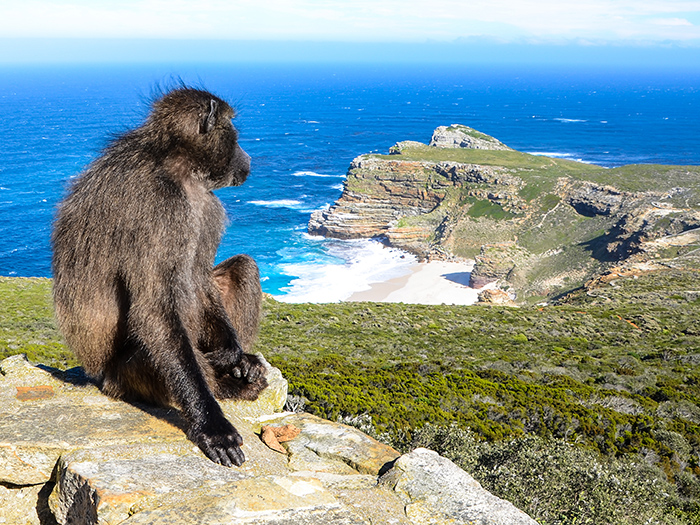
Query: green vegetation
(560, 483)
(538, 170)
(471, 132)
(486, 208)
(587, 411)
(27, 325)
(506, 158)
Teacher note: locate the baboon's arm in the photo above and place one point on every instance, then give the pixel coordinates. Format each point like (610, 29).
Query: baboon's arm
(170, 348)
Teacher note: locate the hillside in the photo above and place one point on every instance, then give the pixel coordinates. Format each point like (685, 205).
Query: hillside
(541, 226)
(583, 411)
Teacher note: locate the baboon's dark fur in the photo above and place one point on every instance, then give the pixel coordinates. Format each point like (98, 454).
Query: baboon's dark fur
(135, 293)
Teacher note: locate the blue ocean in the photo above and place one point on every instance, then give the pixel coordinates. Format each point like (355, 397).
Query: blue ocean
(303, 124)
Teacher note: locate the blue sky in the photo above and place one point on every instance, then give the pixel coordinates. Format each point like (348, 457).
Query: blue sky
(532, 23)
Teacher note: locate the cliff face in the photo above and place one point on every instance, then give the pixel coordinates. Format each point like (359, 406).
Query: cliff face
(379, 192)
(468, 195)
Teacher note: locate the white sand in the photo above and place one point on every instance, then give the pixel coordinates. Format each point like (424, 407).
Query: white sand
(429, 283)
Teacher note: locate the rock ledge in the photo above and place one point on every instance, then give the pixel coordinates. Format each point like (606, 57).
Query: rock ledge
(70, 455)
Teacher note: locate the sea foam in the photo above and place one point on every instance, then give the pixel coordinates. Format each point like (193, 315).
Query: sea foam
(356, 265)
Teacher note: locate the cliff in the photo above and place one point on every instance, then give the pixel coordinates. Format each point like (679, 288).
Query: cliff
(539, 225)
(69, 454)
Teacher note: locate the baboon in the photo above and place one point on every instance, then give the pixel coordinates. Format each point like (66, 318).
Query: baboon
(135, 292)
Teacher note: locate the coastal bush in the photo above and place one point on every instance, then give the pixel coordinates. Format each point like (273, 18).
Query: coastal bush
(560, 483)
(557, 482)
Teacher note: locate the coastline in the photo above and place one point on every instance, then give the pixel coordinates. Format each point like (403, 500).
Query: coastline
(434, 282)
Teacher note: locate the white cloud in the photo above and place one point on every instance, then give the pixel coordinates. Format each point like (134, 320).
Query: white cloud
(670, 22)
(354, 20)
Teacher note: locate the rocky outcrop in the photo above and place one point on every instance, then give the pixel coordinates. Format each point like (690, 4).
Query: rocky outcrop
(376, 194)
(643, 229)
(397, 148)
(590, 199)
(459, 136)
(496, 262)
(419, 478)
(68, 454)
(495, 297)
(379, 192)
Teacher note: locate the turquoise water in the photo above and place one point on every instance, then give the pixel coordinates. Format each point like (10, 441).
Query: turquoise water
(302, 126)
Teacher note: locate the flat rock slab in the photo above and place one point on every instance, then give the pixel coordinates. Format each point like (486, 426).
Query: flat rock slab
(264, 500)
(45, 412)
(108, 486)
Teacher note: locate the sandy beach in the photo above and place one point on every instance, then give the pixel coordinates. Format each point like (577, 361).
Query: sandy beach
(428, 283)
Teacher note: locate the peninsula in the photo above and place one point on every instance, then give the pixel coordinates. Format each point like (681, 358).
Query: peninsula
(536, 227)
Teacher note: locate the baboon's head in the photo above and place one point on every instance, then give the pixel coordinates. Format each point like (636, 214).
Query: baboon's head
(197, 127)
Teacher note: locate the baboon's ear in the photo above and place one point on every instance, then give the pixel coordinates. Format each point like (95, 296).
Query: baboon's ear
(210, 121)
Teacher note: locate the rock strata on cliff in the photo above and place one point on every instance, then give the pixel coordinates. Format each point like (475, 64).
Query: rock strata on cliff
(68, 454)
(466, 193)
(377, 193)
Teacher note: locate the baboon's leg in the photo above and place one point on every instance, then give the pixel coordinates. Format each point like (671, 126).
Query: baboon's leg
(130, 375)
(171, 353)
(238, 282)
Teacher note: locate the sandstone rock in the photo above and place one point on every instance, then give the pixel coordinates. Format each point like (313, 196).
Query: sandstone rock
(25, 505)
(378, 193)
(459, 136)
(459, 173)
(45, 411)
(263, 500)
(495, 296)
(270, 400)
(70, 455)
(436, 492)
(104, 484)
(345, 449)
(591, 199)
(495, 262)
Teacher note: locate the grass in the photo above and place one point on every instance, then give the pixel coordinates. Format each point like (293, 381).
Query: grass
(538, 170)
(487, 208)
(584, 411)
(27, 325)
(504, 158)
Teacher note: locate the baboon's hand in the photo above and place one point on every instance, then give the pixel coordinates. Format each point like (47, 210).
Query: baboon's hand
(249, 368)
(219, 441)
